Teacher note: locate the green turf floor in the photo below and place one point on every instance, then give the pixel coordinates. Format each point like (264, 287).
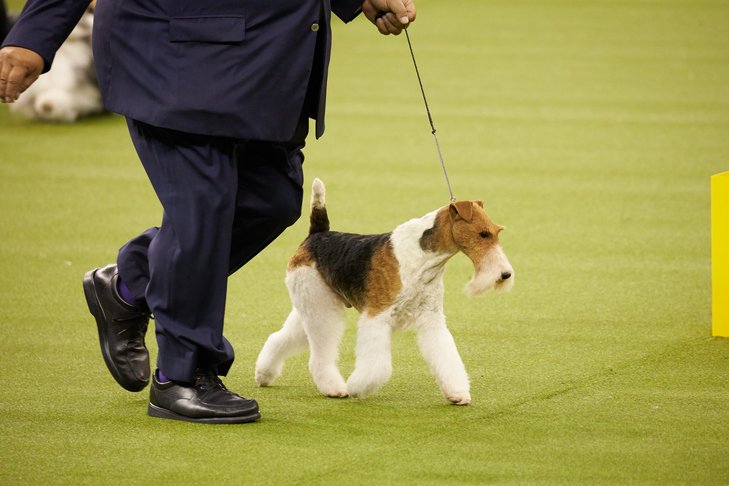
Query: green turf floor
(590, 130)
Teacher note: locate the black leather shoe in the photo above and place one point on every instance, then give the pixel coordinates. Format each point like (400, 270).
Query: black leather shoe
(205, 401)
(121, 329)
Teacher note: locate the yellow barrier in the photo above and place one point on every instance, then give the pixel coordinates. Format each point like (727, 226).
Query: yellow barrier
(720, 254)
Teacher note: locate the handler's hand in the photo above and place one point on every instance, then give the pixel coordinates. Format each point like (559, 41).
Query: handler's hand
(390, 16)
(19, 68)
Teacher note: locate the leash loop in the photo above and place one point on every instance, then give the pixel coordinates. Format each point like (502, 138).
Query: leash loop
(430, 117)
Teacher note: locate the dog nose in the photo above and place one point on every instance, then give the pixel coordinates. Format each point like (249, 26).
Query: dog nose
(505, 275)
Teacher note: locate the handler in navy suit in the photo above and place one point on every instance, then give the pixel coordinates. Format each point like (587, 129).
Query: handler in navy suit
(217, 96)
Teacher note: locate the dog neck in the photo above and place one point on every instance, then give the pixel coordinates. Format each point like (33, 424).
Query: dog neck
(423, 246)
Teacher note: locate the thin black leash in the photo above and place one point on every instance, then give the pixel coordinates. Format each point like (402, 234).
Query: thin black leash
(430, 117)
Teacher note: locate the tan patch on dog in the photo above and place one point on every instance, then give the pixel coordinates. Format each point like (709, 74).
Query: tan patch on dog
(302, 257)
(383, 282)
(473, 231)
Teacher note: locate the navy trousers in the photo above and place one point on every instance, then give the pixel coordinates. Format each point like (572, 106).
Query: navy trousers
(224, 201)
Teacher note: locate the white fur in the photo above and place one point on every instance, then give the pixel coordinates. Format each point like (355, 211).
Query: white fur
(373, 366)
(290, 340)
(488, 273)
(318, 315)
(318, 194)
(439, 350)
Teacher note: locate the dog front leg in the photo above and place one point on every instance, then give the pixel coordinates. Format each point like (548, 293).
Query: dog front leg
(373, 365)
(439, 350)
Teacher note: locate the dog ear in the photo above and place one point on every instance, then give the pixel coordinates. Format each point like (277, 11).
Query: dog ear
(461, 209)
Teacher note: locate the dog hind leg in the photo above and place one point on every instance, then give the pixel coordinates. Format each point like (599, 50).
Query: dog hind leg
(325, 331)
(288, 341)
(373, 365)
(439, 350)
(322, 313)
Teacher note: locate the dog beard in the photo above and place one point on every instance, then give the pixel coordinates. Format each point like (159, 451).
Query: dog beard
(488, 274)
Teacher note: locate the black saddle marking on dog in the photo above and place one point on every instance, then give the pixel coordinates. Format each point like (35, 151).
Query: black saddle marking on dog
(426, 239)
(432, 238)
(345, 260)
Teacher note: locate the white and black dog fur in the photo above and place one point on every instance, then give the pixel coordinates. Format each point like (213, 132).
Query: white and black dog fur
(395, 281)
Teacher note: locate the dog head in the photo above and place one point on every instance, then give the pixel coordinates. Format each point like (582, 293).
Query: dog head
(477, 237)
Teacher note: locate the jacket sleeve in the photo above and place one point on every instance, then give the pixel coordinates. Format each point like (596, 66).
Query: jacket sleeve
(44, 25)
(346, 10)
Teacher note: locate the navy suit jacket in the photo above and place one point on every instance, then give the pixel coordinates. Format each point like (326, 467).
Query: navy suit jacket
(234, 68)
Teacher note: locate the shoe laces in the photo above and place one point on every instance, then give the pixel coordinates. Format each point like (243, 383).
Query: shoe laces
(133, 317)
(207, 380)
(135, 335)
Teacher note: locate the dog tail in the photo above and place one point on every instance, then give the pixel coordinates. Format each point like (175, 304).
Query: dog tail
(319, 219)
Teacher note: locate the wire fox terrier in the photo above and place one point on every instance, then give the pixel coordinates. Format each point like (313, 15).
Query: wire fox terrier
(395, 281)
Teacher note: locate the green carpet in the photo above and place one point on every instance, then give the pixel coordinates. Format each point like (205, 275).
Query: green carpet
(590, 130)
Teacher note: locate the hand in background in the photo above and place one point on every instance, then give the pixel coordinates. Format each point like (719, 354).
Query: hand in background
(19, 68)
(390, 16)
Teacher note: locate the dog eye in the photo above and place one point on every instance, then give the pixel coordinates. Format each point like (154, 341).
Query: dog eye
(485, 234)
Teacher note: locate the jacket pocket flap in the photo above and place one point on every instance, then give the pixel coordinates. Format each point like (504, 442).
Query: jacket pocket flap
(228, 28)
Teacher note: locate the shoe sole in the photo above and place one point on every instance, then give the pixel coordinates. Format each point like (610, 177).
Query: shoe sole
(158, 412)
(95, 308)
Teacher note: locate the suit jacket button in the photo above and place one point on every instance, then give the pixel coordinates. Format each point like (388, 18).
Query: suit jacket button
(314, 27)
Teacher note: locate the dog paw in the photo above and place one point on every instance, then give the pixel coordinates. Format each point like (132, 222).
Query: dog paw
(265, 377)
(334, 393)
(333, 389)
(360, 389)
(329, 381)
(362, 384)
(359, 393)
(462, 398)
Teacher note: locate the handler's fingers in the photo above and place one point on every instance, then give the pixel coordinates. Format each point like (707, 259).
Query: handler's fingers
(391, 24)
(19, 68)
(17, 82)
(380, 23)
(29, 79)
(400, 10)
(370, 11)
(411, 10)
(389, 16)
(4, 73)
